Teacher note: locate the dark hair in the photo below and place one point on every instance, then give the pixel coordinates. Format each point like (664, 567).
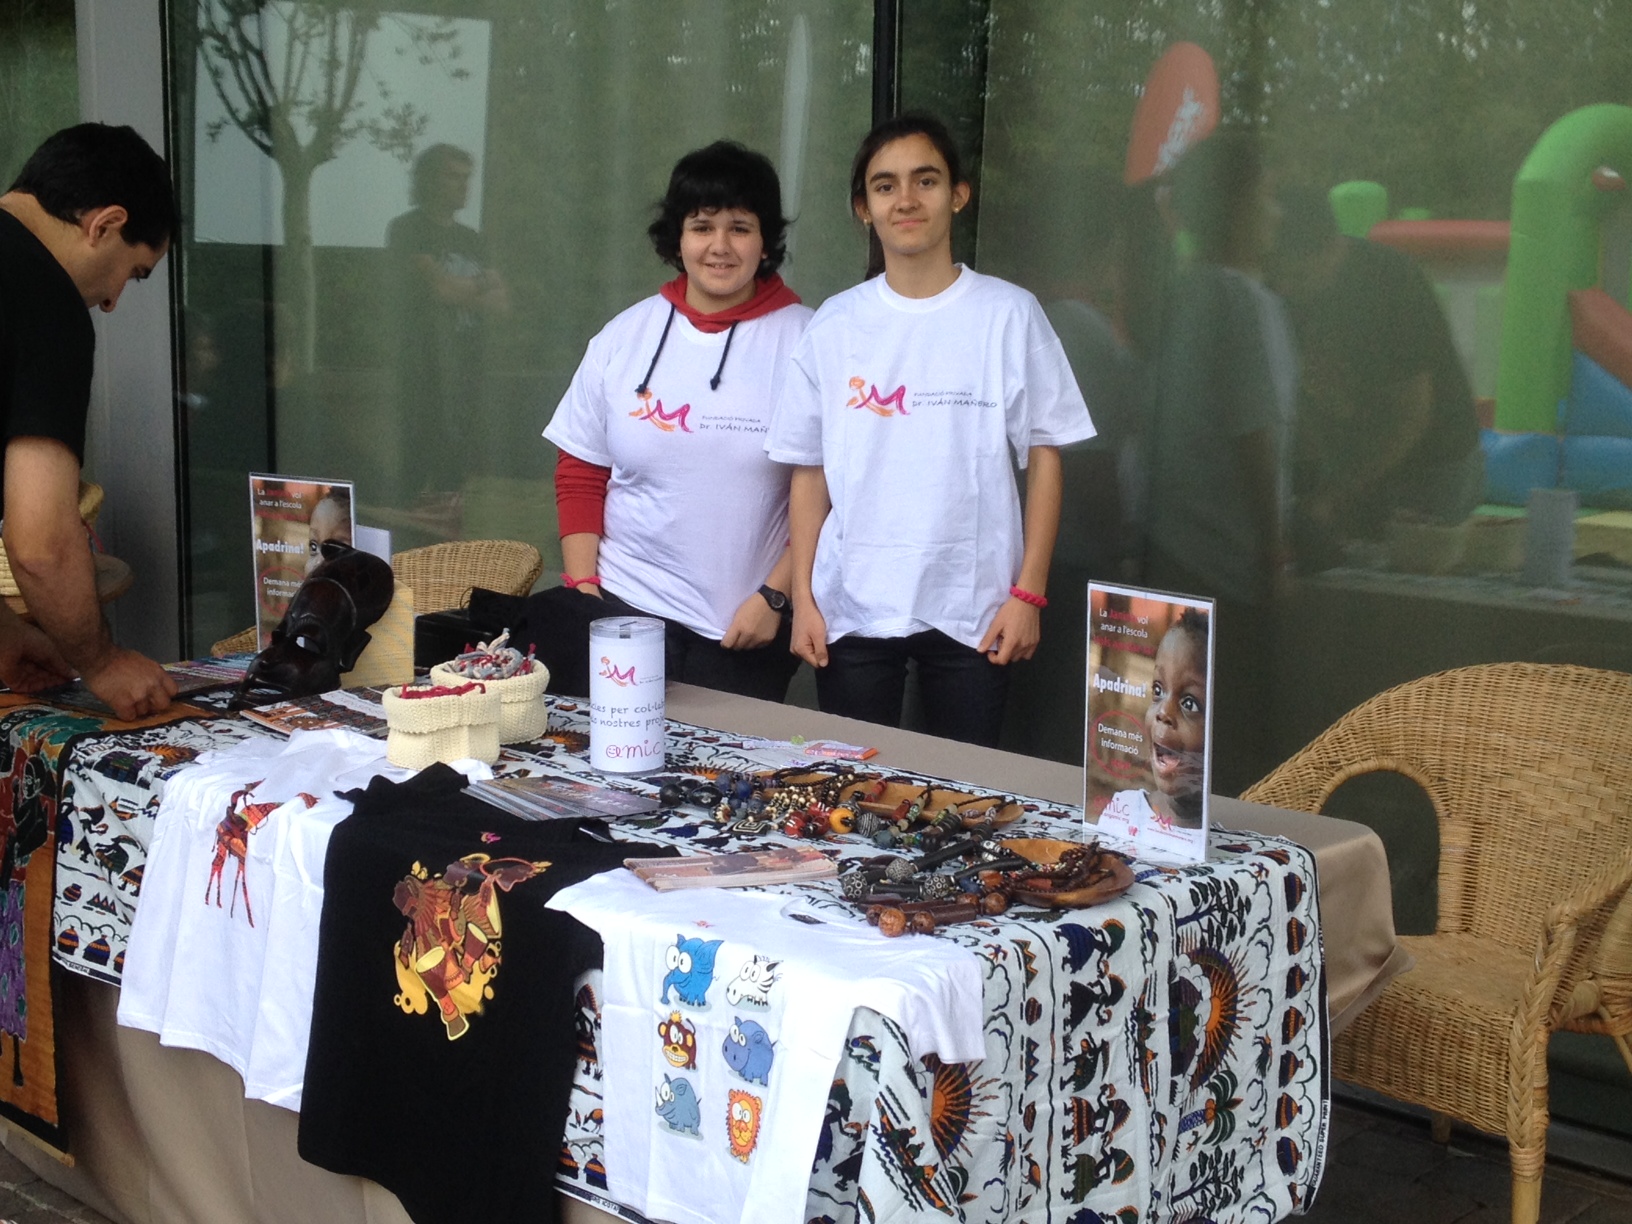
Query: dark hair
(1215, 187)
(723, 175)
(1307, 225)
(431, 163)
(96, 165)
(1193, 621)
(912, 123)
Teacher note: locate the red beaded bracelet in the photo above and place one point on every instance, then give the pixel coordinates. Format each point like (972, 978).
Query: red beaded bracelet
(1025, 596)
(569, 580)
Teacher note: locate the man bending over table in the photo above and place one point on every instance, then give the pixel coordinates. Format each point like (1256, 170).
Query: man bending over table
(91, 211)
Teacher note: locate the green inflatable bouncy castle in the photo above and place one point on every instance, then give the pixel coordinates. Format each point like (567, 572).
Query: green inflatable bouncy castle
(1556, 247)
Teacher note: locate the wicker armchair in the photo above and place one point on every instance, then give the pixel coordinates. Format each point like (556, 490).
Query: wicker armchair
(245, 641)
(1529, 768)
(441, 575)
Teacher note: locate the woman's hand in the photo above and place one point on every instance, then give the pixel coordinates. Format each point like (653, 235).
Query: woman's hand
(588, 588)
(1014, 632)
(754, 624)
(809, 633)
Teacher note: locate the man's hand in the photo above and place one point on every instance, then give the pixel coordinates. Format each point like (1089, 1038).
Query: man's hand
(1014, 632)
(809, 633)
(132, 684)
(28, 660)
(754, 624)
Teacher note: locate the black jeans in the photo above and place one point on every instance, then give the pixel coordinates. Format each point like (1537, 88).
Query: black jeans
(557, 620)
(963, 691)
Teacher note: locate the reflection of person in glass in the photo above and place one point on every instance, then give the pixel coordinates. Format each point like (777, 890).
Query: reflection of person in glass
(1176, 729)
(445, 290)
(1218, 484)
(1386, 423)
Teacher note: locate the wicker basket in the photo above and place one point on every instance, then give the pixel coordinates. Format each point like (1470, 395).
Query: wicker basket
(425, 730)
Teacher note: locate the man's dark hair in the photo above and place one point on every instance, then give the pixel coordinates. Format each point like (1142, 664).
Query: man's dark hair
(723, 175)
(429, 164)
(1307, 224)
(95, 165)
(1215, 189)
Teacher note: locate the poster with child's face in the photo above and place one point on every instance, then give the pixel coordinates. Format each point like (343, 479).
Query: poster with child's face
(1147, 743)
(290, 520)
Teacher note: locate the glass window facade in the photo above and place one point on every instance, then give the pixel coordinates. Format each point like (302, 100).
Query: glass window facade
(394, 286)
(39, 78)
(1320, 429)
(1333, 430)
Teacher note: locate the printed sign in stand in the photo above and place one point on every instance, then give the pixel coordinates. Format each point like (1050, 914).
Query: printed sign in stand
(627, 727)
(290, 517)
(1147, 746)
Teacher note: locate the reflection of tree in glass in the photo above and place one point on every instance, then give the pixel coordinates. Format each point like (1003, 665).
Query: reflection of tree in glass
(39, 79)
(289, 76)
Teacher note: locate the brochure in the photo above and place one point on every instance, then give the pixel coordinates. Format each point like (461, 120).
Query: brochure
(536, 798)
(774, 865)
(289, 519)
(356, 709)
(1147, 744)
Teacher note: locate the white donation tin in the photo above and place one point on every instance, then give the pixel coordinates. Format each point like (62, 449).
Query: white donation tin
(626, 710)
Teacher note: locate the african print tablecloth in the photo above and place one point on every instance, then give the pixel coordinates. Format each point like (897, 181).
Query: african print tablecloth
(38, 803)
(1161, 1057)
(111, 790)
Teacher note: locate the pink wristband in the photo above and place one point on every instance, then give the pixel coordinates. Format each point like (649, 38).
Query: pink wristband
(569, 581)
(1024, 596)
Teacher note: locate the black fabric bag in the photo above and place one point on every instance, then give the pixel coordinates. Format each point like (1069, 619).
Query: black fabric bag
(553, 623)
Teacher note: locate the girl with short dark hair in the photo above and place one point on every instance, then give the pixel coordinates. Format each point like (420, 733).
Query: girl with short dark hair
(668, 504)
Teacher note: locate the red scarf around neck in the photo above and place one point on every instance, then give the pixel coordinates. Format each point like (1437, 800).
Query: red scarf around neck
(770, 294)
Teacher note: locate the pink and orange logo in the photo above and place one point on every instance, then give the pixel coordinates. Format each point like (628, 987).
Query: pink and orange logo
(623, 677)
(653, 411)
(884, 405)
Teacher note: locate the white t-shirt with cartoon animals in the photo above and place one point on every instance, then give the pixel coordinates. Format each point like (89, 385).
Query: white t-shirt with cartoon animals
(696, 515)
(722, 1023)
(917, 410)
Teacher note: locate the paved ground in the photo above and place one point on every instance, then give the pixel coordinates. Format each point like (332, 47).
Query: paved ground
(25, 1199)
(1384, 1168)
(1381, 1169)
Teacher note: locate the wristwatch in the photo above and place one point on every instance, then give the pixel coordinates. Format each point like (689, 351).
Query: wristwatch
(777, 599)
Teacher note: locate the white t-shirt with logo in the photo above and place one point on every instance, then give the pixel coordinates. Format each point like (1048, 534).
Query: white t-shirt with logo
(723, 1019)
(696, 515)
(916, 409)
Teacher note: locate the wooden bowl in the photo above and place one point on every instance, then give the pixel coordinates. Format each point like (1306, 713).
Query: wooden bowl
(1046, 851)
